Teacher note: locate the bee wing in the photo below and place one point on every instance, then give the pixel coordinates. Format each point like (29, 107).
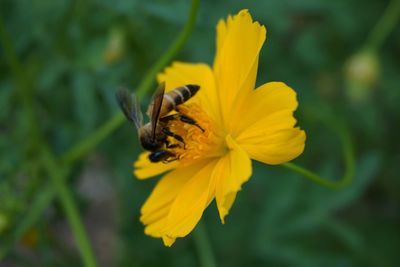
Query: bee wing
(130, 107)
(138, 112)
(154, 114)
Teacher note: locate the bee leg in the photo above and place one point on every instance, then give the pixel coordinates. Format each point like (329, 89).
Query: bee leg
(169, 118)
(171, 159)
(168, 145)
(167, 132)
(182, 118)
(187, 119)
(190, 121)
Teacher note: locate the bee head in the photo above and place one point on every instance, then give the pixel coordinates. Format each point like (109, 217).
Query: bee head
(149, 143)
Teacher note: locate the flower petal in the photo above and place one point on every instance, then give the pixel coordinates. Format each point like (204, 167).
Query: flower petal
(262, 106)
(191, 201)
(266, 131)
(231, 172)
(178, 201)
(155, 211)
(239, 41)
(144, 169)
(274, 147)
(180, 73)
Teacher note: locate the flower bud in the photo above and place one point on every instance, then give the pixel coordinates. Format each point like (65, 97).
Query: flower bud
(115, 47)
(3, 222)
(362, 72)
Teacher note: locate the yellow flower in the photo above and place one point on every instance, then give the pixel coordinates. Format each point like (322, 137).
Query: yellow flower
(239, 124)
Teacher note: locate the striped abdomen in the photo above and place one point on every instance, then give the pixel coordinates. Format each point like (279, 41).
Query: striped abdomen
(177, 96)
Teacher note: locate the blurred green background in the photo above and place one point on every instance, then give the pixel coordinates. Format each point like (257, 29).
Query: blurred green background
(70, 56)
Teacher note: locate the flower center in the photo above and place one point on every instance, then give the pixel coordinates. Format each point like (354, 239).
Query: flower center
(199, 138)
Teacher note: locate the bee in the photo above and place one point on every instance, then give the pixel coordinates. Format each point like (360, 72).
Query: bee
(154, 135)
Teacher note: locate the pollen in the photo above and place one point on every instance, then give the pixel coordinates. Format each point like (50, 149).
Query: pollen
(199, 140)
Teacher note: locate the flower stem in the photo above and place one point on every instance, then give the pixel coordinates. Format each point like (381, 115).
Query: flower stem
(25, 90)
(91, 141)
(203, 246)
(82, 148)
(384, 26)
(70, 208)
(40, 203)
(148, 80)
(348, 155)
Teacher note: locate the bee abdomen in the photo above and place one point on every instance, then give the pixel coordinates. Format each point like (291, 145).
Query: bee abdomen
(181, 94)
(188, 91)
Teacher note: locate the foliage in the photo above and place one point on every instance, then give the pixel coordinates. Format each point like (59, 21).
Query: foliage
(74, 54)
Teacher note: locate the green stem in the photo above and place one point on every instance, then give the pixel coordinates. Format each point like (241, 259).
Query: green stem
(11, 57)
(376, 38)
(43, 201)
(348, 155)
(23, 85)
(91, 141)
(148, 81)
(79, 150)
(384, 26)
(25, 91)
(203, 246)
(33, 214)
(70, 208)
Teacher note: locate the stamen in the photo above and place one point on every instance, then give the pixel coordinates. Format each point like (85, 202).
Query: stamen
(198, 143)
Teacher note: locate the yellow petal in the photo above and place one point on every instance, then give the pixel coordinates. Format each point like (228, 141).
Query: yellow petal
(266, 131)
(231, 172)
(168, 241)
(239, 41)
(144, 169)
(190, 203)
(264, 102)
(155, 210)
(179, 74)
(178, 201)
(273, 147)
